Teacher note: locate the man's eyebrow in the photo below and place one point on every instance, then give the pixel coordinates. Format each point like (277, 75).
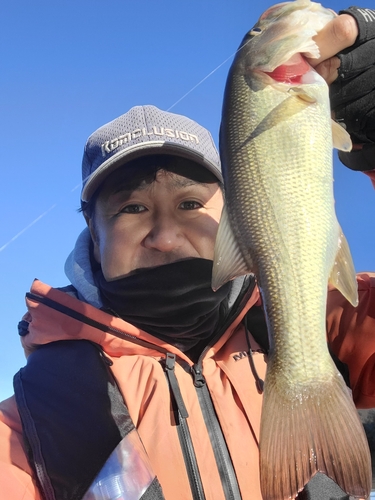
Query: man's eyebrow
(123, 187)
(177, 183)
(182, 182)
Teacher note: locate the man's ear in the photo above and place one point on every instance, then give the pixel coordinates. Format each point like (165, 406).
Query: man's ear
(94, 237)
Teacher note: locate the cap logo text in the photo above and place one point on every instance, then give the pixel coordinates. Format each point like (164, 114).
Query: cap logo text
(110, 146)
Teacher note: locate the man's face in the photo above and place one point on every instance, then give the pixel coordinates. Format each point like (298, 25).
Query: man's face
(158, 222)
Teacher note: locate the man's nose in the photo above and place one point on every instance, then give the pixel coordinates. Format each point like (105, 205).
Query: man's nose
(165, 235)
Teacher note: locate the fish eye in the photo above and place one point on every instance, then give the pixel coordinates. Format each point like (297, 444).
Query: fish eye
(255, 31)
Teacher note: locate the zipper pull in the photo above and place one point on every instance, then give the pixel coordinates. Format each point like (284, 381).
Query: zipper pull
(199, 380)
(173, 384)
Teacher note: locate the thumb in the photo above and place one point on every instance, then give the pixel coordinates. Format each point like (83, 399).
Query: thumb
(337, 35)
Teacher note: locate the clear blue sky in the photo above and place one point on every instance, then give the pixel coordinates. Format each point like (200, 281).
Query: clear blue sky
(67, 67)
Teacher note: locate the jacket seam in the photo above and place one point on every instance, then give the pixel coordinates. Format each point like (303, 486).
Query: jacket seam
(32, 436)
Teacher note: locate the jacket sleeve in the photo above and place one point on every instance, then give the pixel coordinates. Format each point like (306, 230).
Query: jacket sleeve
(351, 335)
(15, 474)
(360, 159)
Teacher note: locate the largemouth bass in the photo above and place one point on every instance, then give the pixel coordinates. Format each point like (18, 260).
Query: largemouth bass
(279, 223)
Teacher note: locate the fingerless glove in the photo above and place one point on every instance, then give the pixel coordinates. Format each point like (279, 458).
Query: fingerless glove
(353, 92)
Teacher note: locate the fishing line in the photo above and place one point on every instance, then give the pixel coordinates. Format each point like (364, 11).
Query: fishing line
(76, 187)
(27, 227)
(207, 76)
(203, 79)
(35, 221)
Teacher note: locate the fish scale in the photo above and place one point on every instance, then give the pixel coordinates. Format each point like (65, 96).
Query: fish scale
(279, 223)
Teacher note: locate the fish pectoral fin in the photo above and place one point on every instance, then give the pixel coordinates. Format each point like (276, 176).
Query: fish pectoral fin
(308, 428)
(340, 137)
(288, 108)
(229, 262)
(343, 275)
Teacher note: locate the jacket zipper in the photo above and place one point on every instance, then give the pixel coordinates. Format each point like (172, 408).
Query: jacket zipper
(183, 431)
(219, 446)
(190, 461)
(223, 460)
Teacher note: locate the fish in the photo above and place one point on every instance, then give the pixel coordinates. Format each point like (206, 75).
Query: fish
(279, 224)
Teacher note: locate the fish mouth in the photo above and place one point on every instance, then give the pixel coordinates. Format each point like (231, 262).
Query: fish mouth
(291, 71)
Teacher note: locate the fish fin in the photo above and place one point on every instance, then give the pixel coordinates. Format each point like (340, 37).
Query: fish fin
(288, 108)
(340, 137)
(310, 429)
(343, 275)
(228, 259)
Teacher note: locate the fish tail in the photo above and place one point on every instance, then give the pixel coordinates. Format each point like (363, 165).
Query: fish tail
(308, 430)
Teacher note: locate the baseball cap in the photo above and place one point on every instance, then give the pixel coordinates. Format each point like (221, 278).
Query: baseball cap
(145, 130)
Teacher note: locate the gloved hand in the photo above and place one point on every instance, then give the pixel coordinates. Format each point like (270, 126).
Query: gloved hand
(353, 92)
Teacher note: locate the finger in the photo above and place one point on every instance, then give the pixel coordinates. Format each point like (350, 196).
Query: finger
(328, 69)
(337, 35)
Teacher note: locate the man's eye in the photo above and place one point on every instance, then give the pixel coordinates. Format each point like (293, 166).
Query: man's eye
(133, 209)
(190, 205)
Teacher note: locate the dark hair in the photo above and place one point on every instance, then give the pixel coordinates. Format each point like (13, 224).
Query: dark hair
(145, 168)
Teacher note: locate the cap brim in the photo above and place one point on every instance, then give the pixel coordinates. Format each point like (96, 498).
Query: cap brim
(143, 149)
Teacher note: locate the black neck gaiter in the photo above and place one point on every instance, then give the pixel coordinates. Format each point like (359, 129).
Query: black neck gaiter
(173, 302)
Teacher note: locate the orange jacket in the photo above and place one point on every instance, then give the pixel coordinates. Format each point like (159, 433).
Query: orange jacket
(143, 384)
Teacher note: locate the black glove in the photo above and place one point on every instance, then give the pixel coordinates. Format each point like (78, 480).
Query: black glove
(353, 92)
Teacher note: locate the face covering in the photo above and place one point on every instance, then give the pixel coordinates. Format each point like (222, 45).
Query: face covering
(174, 302)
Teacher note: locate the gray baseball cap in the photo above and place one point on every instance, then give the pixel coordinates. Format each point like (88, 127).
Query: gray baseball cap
(145, 130)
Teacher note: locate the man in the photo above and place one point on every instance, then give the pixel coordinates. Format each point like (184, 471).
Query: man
(138, 354)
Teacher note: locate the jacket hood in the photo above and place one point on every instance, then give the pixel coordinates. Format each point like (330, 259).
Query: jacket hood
(79, 272)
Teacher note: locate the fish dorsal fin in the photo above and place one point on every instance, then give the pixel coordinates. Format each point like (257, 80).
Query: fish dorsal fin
(340, 137)
(343, 273)
(228, 259)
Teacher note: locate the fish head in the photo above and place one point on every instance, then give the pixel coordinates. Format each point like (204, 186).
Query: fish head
(277, 46)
